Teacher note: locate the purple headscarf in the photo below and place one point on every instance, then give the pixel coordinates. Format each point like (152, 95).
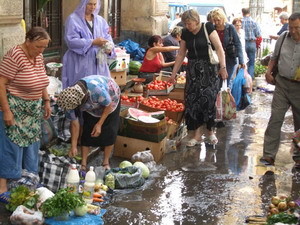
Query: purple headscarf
(80, 10)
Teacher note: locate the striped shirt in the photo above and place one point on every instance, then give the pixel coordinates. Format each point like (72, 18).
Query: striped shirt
(26, 80)
(251, 28)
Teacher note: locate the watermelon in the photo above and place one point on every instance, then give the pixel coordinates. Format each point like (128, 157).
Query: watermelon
(134, 67)
(136, 113)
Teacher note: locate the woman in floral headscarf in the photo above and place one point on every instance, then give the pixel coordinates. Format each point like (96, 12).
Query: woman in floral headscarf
(85, 34)
(95, 99)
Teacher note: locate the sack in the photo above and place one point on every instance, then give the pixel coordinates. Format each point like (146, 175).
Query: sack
(25, 216)
(213, 57)
(230, 50)
(53, 170)
(128, 177)
(225, 104)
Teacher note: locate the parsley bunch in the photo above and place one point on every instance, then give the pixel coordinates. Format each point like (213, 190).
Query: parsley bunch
(64, 201)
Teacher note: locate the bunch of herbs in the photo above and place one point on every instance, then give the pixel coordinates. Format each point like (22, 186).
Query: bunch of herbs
(64, 201)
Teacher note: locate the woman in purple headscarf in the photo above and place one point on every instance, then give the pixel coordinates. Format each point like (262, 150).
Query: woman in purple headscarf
(85, 34)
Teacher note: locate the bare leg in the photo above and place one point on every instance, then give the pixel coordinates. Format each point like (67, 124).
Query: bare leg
(84, 154)
(107, 154)
(198, 133)
(3, 185)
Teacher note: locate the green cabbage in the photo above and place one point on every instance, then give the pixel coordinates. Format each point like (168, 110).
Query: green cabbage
(145, 169)
(125, 164)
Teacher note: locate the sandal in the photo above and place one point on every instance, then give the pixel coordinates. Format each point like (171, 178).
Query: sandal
(212, 139)
(192, 142)
(4, 197)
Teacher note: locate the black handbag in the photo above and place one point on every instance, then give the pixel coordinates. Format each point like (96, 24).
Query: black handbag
(230, 48)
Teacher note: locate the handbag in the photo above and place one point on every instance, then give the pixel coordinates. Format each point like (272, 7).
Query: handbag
(213, 57)
(230, 50)
(265, 60)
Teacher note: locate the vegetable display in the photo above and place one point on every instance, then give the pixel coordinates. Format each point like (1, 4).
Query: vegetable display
(22, 195)
(64, 201)
(165, 104)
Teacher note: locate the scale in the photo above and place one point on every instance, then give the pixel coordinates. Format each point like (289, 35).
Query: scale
(138, 85)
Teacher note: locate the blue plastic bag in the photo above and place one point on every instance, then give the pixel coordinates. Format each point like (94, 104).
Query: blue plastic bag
(88, 219)
(242, 99)
(136, 52)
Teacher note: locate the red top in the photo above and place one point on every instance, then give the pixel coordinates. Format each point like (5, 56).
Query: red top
(221, 36)
(151, 66)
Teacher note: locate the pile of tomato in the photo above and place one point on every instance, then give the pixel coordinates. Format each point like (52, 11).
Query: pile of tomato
(125, 98)
(165, 104)
(159, 85)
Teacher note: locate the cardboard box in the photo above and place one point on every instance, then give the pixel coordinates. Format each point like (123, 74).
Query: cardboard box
(119, 77)
(175, 94)
(126, 147)
(120, 63)
(176, 116)
(171, 130)
(154, 132)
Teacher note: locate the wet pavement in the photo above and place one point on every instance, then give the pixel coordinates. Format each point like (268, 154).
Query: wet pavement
(202, 185)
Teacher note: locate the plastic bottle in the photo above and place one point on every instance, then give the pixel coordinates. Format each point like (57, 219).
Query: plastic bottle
(89, 184)
(73, 178)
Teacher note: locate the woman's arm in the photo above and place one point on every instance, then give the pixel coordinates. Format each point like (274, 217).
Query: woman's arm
(8, 116)
(163, 63)
(47, 107)
(158, 49)
(215, 40)
(97, 128)
(179, 59)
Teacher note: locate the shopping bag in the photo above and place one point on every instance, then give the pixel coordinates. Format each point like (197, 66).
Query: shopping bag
(225, 104)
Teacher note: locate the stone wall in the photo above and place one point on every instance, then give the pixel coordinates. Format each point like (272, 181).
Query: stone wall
(11, 31)
(141, 19)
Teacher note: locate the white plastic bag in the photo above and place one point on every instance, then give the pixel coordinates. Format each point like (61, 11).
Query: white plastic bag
(25, 216)
(144, 156)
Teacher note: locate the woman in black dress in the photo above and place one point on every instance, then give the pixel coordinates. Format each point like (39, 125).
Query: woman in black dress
(203, 78)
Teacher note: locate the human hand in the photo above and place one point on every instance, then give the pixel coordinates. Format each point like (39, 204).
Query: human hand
(47, 110)
(242, 66)
(172, 79)
(73, 151)
(99, 41)
(223, 73)
(8, 118)
(269, 78)
(96, 130)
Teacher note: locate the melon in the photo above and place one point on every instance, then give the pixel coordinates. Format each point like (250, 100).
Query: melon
(136, 113)
(134, 67)
(144, 168)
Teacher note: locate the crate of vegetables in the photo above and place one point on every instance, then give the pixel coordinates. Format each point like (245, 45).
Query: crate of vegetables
(173, 108)
(133, 102)
(159, 87)
(180, 80)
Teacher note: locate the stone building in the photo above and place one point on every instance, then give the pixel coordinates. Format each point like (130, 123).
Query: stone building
(134, 19)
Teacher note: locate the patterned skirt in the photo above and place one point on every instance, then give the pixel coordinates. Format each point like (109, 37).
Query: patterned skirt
(203, 84)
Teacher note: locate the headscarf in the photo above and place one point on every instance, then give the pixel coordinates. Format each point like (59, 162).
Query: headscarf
(80, 10)
(70, 97)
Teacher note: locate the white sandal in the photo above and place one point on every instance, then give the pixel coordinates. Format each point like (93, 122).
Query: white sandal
(192, 142)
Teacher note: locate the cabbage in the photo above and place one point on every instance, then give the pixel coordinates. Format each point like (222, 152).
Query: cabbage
(144, 168)
(125, 164)
(81, 210)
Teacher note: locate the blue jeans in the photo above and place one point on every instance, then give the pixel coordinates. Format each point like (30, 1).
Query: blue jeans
(14, 158)
(251, 53)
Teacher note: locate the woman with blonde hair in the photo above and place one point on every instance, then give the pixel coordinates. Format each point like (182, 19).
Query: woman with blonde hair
(203, 78)
(230, 41)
